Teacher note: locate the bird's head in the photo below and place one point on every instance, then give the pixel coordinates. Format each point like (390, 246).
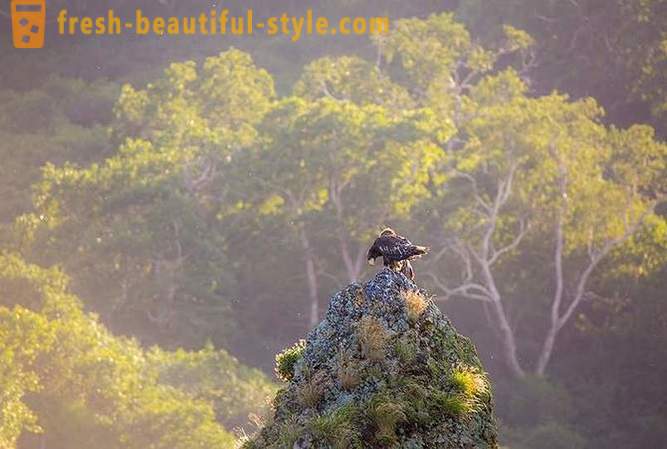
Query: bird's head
(387, 231)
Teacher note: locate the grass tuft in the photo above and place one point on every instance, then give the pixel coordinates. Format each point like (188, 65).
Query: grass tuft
(290, 431)
(338, 428)
(405, 350)
(468, 387)
(386, 413)
(348, 371)
(373, 338)
(468, 382)
(415, 304)
(312, 391)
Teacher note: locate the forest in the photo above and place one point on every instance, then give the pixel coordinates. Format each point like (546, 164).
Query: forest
(174, 211)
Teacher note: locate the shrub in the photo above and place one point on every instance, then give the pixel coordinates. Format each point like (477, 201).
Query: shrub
(286, 360)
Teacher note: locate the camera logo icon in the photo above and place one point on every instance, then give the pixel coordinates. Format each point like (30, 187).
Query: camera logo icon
(28, 23)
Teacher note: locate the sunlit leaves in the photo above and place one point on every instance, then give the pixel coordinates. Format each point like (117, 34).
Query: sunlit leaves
(63, 373)
(517, 39)
(126, 226)
(351, 79)
(23, 336)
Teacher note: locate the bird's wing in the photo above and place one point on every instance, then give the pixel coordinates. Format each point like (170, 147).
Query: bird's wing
(374, 251)
(393, 247)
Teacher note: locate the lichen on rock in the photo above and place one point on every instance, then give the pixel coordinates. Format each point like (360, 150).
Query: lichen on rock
(384, 369)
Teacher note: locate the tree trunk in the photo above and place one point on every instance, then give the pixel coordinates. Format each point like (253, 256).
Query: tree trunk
(311, 276)
(353, 265)
(547, 350)
(509, 342)
(550, 339)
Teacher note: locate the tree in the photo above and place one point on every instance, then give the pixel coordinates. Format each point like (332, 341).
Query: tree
(62, 120)
(23, 336)
(68, 382)
(380, 170)
(516, 165)
(328, 157)
(609, 50)
(137, 229)
(546, 166)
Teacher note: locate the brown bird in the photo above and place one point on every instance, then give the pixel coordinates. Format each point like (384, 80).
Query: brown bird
(396, 252)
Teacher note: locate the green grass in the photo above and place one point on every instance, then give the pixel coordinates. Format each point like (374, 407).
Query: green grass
(468, 382)
(386, 413)
(405, 350)
(451, 404)
(339, 428)
(289, 432)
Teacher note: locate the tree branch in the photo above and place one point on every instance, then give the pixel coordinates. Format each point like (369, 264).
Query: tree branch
(465, 290)
(523, 230)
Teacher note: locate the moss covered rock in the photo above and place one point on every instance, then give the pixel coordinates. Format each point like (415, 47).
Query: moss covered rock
(384, 369)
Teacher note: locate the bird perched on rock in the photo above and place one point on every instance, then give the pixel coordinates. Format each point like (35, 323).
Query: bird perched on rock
(396, 252)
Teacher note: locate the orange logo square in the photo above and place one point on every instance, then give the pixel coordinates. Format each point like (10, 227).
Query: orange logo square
(28, 23)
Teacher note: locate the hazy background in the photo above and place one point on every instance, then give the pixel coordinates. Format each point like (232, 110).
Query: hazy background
(202, 209)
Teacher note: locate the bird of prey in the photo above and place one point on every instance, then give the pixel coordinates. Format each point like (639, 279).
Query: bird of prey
(396, 252)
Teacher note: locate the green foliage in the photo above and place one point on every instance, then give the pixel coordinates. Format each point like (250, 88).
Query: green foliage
(66, 376)
(159, 207)
(62, 120)
(214, 376)
(207, 108)
(286, 360)
(23, 336)
(581, 59)
(351, 79)
(139, 230)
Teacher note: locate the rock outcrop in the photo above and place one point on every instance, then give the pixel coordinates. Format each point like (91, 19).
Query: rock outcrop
(384, 369)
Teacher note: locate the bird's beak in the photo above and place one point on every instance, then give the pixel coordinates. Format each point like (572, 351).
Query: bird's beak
(371, 262)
